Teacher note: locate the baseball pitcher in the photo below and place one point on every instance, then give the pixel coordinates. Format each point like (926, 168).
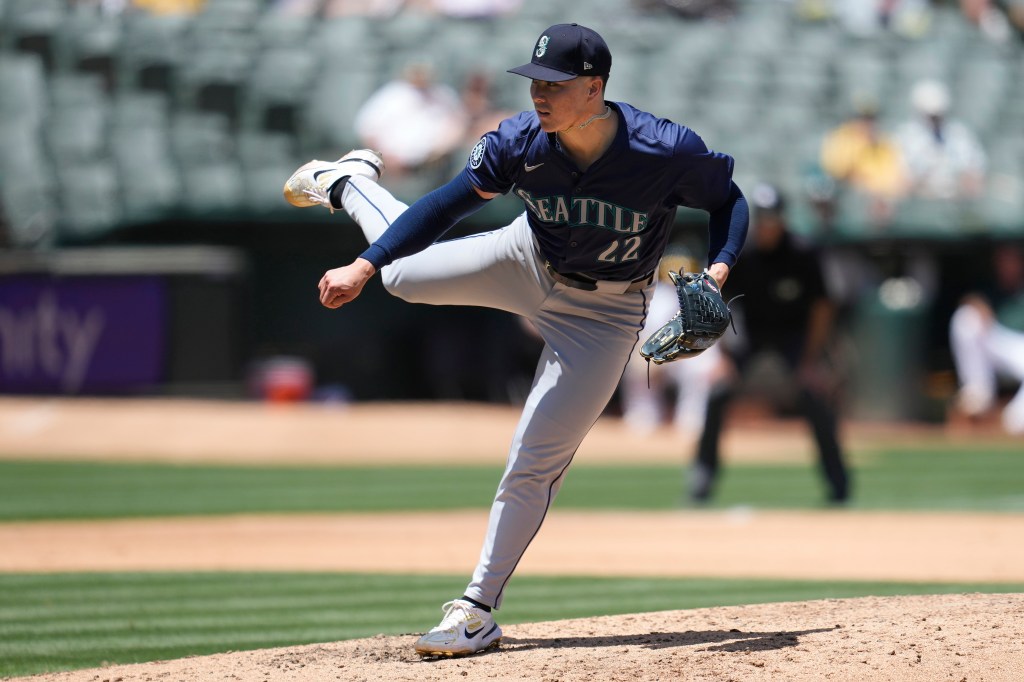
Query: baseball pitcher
(600, 182)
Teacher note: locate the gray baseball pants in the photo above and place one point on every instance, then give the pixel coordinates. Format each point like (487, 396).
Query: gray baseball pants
(588, 337)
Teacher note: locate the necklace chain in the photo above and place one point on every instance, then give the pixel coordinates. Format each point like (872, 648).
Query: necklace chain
(596, 117)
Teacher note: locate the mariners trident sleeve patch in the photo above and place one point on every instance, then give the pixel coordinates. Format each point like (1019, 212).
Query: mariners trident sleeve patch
(476, 156)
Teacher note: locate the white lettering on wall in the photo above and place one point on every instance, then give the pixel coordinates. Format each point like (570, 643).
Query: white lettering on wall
(55, 343)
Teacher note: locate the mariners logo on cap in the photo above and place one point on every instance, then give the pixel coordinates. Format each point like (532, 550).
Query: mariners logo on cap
(542, 46)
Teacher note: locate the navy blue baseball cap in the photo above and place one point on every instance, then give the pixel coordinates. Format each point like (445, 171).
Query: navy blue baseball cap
(566, 51)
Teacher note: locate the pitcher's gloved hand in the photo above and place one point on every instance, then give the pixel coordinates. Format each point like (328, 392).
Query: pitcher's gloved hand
(702, 319)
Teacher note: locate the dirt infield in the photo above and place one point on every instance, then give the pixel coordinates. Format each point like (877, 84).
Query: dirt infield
(959, 638)
(426, 433)
(840, 545)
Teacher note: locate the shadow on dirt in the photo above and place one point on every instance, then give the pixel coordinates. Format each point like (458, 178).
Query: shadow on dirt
(722, 640)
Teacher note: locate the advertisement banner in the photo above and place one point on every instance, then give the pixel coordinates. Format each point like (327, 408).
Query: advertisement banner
(81, 334)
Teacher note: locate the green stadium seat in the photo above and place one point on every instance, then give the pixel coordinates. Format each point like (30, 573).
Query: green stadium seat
(862, 72)
(30, 26)
(76, 135)
(331, 111)
(274, 29)
(409, 29)
(928, 217)
(228, 15)
(267, 159)
(152, 47)
(543, 13)
(257, 147)
(759, 29)
(263, 183)
(212, 76)
(26, 179)
(981, 89)
(89, 199)
(348, 43)
(88, 40)
(150, 182)
(214, 188)
(139, 109)
(75, 128)
(29, 213)
(930, 60)
(77, 90)
(277, 88)
(198, 137)
(23, 84)
(21, 150)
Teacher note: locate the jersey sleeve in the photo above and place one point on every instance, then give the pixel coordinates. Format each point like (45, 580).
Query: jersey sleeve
(493, 164)
(705, 179)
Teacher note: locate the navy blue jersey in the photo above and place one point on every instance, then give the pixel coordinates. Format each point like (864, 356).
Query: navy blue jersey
(614, 220)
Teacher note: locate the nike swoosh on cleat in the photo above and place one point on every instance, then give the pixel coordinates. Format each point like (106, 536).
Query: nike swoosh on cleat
(471, 635)
(530, 169)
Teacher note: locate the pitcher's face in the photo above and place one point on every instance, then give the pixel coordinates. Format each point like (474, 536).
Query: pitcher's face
(561, 105)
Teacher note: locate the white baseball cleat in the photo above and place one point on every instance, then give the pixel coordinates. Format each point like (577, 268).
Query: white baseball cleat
(464, 630)
(311, 184)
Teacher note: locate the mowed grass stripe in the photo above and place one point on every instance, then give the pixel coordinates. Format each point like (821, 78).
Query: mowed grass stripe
(237, 611)
(51, 490)
(986, 479)
(42, 599)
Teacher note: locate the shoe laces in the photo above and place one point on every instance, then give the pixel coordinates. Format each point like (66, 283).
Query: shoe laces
(320, 196)
(455, 612)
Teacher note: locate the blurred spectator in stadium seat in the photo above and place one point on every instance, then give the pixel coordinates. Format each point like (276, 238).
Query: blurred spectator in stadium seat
(106, 7)
(944, 158)
(865, 161)
(296, 8)
(998, 20)
(647, 390)
(474, 9)
(871, 18)
(482, 114)
(380, 9)
(987, 340)
(689, 9)
(786, 316)
(414, 121)
(169, 6)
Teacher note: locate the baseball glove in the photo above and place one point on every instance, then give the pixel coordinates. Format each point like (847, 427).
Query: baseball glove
(702, 319)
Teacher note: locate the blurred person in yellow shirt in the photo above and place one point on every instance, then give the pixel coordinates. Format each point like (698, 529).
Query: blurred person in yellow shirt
(169, 6)
(863, 159)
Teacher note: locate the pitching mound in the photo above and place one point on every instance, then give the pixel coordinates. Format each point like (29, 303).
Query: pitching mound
(931, 638)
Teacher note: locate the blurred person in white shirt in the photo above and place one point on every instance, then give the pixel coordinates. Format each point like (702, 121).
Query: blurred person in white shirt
(475, 9)
(413, 120)
(987, 340)
(944, 158)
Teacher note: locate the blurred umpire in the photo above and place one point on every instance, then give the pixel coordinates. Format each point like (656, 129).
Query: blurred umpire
(785, 315)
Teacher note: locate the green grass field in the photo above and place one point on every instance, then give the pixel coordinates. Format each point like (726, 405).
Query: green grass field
(65, 621)
(983, 479)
